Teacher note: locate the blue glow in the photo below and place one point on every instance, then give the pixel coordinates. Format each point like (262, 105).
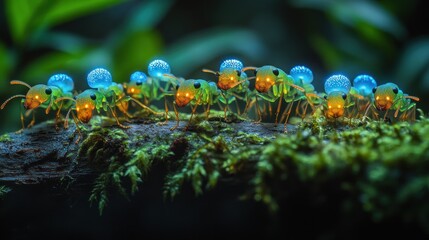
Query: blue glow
(231, 63)
(364, 84)
(138, 77)
(63, 81)
(99, 78)
(302, 73)
(337, 83)
(157, 68)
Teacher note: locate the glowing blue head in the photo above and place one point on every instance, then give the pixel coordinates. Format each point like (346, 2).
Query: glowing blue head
(364, 84)
(157, 68)
(63, 81)
(337, 83)
(302, 73)
(231, 63)
(138, 78)
(99, 78)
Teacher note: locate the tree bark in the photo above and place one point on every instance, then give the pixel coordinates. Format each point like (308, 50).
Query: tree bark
(42, 154)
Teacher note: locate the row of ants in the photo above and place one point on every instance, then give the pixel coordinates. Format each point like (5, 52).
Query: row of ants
(272, 84)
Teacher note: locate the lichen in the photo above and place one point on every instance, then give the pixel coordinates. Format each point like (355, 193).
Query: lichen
(5, 138)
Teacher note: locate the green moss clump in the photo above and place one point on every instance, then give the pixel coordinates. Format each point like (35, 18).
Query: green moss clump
(5, 138)
(377, 168)
(4, 190)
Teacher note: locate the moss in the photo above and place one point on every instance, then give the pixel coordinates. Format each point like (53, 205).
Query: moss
(377, 168)
(5, 138)
(4, 190)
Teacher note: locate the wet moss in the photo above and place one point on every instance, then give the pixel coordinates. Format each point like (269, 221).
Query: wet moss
(377, 168)
(5, 138)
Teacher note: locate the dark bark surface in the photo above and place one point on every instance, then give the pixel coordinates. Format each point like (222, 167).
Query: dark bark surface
(41, 153)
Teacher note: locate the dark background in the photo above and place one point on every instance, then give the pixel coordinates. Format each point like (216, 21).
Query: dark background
(387, 39)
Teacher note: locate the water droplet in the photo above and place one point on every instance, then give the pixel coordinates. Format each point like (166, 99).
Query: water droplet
(99, 78)
(63, 81)
(364, 84)
(338, 83)
(157, 68)
(231, 63)
(138, 76)
(302, 73)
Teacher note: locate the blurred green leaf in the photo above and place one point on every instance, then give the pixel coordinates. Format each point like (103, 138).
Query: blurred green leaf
(27, 16)
(39, 70)
(63, 41)
(413, 62)
(134, 53)
(327, 51)
(354, 12)
(190, 53)
(148, 14)
(19, 13)
(5, 66)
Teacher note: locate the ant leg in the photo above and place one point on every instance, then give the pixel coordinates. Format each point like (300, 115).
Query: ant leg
(177, 117)
(397, 111)
(49, 105)
(270, 109)
(279, 105)
(298, 108)
(57, 116)
(77, 127)
(238, 107)
(166, 109)
(366, 111)
(192, 114)
(305, 110)
(208, 111)
(289, 111)
(116, 118)
(33, 120)
(385, 115)
(21, 116)
(226, 105)
(66, 121)
(258, 111)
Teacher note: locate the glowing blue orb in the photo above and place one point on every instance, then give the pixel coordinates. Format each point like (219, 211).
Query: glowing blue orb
(337, 83)
(302, 73)
(157, 68)
(138, 77)
(231, 63)
(364, 84)
(63, 81)
(99, 78)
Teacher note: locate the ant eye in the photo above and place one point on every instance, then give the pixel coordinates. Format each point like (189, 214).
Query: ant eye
(48, 91)
(344, 96)
(197, 85)
(276, 72)
(374, 90)
(238, 73)
(138, 83)
(255, 72)
(177, 87)
(92, 96)
(75, 97)
(395, 90)
(325, 97)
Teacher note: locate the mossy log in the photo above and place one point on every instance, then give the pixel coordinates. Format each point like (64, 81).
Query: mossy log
(369, 172)
(42, 153)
